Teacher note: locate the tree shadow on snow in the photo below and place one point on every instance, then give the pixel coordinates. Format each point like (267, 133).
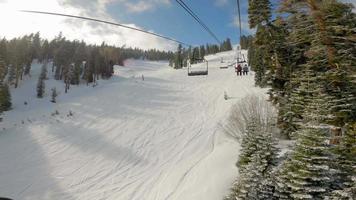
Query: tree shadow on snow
(25, 171)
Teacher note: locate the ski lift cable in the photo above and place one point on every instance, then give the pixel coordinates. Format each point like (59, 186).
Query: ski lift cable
(238, 53)
(106, 22)
(239, 15)
(186, 7)
(191, 13)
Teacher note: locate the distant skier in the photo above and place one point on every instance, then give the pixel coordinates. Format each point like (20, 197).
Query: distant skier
(245, 70)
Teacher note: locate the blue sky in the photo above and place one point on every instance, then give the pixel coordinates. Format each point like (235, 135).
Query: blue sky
(172, 20)
(164, 17)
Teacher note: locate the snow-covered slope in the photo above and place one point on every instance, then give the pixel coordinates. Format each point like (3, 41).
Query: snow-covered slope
(153, 139)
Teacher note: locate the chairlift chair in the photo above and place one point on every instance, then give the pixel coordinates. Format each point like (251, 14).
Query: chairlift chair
(241, 60)
(200, 67)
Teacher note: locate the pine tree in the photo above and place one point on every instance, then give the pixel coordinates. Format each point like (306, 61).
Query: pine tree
(54, 95)
(202, 51)
(36, 46)
(228, 44)
(259, 67)
(307, 174)
(45, 51)
(4, 51)
(256, 161)
(282, 190)
(259, 12)
(249, 143)
(41, 83)
(5, 98)
(347, 193)
(179, 58)
(11, 74)
(2, 70)
(40, 87)
(195, 55)
(344, 164)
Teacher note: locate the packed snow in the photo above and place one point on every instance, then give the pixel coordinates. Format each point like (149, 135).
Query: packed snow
(150, 132)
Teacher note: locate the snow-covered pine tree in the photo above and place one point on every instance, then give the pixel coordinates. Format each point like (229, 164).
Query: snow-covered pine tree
(256, 160)
(298, 98)
(282, 191)
(331, 53)
(249, 143)
(250, 179)
(292, 39)
(339, 23)
(306, 175)
(347, 193)
(344, 164)
(332, 48)
(267, 187)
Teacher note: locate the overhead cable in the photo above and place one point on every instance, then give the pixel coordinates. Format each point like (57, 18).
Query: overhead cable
(106, 22)
(191, 13)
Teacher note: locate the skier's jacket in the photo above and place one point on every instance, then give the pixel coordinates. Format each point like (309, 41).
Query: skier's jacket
(239, 68)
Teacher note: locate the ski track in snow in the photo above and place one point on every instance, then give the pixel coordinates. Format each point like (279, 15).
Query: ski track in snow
(157, 139)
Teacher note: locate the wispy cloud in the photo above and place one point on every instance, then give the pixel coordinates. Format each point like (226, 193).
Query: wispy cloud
(94, 33)
(144, 5)
(244, 25)
(221, 2)
(138, 7)
(132, 6)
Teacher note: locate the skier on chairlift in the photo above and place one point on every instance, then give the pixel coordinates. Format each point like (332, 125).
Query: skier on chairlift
(245, 70)
(238, 69)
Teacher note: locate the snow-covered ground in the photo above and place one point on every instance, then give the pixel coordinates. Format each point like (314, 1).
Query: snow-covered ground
(152, 139)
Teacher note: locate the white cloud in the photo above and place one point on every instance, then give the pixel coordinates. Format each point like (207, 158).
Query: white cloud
(144, 5)
(138, 7)
(244, 25)
(221, 2)
(15, 24)
(134, 6)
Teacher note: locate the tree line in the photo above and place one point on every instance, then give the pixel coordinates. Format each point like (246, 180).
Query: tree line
(246, 41)
(72, 62)
(306, 56)
(194, 54)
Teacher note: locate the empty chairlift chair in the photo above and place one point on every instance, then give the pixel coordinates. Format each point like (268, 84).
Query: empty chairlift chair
(199, 67)
(241, 59)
